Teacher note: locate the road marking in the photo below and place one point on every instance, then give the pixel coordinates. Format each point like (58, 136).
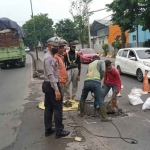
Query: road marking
(144, 118)
(90, 122)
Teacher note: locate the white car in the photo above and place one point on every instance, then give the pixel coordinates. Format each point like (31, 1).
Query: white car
(133, 61)
(27, 50)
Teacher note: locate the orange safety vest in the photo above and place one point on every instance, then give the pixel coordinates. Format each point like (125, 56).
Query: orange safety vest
(62, 69)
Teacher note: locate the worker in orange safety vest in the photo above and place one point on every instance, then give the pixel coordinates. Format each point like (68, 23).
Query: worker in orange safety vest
(61, 67)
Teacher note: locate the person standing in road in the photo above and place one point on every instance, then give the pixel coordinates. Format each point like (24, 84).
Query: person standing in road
(111, 80)
(73, 65)
(53, 97)
(61, 67)
(92, 83)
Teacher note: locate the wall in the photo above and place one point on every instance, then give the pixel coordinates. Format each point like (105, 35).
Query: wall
(79, 46)
(98, 48)
(115, 34)
(143, 36)
(101, 40)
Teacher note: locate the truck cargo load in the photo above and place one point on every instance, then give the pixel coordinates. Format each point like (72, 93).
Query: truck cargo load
(12, 50)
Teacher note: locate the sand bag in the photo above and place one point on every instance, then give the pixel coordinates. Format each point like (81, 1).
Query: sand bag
(146, 105)
(135, 99)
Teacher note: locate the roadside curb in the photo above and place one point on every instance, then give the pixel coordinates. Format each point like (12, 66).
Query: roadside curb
(37, 67)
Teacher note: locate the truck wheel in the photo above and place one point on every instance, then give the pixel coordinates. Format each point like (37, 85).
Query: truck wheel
(3, 66)
(22, 64)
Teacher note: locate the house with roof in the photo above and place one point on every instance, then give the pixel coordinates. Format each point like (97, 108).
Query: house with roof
(104, 32)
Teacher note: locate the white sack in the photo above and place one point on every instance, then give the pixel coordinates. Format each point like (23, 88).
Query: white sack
(146, 105)
(135, 99)
(136, 91)
(110, 93)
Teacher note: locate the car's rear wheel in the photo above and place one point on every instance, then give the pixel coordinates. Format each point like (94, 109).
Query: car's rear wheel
(139, 75)
(119, 69)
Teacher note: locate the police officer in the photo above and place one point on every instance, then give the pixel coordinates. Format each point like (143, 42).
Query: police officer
(51, 88)
(73, 65)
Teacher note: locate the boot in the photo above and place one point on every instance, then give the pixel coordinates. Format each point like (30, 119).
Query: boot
(81, 109)
(62, 133)
(103, 112)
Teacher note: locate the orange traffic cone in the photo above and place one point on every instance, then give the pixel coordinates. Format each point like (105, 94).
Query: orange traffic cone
(146, 87)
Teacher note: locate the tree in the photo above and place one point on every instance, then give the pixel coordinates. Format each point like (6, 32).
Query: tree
(146, 43)
(144, 16)
(124, 15)
(129, 14)
(117, 45)
(80, 11)
(105, 48)
(43, 30)
(66, 29)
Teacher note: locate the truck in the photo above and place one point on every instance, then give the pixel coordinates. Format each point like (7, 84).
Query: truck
(12, 49)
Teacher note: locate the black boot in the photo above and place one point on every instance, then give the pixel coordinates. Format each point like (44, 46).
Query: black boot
(62, 133)
(49, 132)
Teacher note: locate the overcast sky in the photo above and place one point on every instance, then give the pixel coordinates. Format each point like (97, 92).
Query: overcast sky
(20, 11)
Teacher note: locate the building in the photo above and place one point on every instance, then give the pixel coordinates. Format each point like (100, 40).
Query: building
(103, 32)
(142, 37)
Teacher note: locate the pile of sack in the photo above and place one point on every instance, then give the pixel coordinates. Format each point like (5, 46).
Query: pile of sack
(135, 98)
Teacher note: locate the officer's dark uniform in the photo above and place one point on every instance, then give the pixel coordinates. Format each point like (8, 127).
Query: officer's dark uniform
(50, 85)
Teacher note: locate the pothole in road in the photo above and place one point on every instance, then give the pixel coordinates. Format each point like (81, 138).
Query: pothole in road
(89, 111)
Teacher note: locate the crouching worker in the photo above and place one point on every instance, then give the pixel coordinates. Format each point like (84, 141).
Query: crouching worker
(112, 81)
(92, 82)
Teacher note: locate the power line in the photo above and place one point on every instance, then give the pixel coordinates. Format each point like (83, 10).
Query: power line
(104, 18)
(98, 10)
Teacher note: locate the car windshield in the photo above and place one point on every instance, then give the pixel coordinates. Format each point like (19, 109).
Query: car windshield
(88, 51)
(143, 54)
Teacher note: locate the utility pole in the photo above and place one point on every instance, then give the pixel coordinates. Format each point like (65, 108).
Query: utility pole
(89, 31)
(34, 29)
(137, 37)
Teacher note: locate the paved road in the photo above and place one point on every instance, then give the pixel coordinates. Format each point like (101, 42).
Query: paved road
(136, 125)
(13, 91)
(30, 136)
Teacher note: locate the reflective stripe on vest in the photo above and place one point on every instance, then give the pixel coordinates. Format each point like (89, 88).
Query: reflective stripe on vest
(93, 73)
(62, 70)
(73, 60)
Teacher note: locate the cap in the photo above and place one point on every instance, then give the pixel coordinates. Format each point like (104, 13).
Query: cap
(108, 63)
(74, 43)
(53, 41)
(62, 43)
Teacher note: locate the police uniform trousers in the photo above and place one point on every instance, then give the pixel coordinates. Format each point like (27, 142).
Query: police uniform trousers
(52, 106)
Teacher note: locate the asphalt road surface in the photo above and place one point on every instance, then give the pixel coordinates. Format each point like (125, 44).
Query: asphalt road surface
(13, 91)
(21, 122)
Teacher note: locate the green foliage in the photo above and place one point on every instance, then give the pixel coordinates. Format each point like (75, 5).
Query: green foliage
(105, 48)
(129, 13)
(43, 30)
(66, 29)
(80, 11)
(146, 43)
(117, 44)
